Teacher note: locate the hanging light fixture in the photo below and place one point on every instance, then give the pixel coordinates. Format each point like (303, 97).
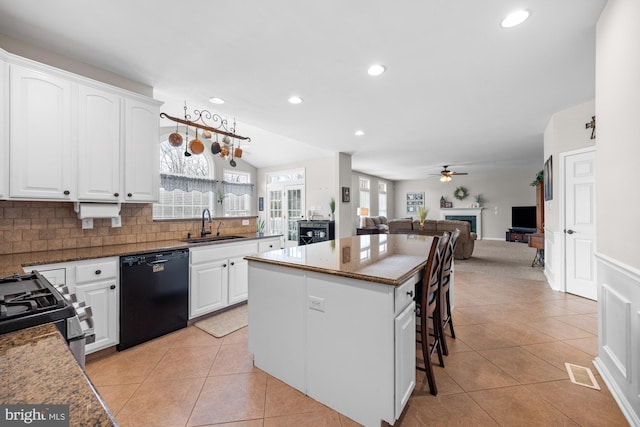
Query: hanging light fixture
(209, 123)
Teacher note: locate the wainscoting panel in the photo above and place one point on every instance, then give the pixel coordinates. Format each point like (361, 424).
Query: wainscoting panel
(552, 260)
(615, 338)
(618, 358)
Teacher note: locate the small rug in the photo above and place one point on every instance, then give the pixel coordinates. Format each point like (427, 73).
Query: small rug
(226, 322)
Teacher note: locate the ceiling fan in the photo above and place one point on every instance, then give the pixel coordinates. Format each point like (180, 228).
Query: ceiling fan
(446, 174)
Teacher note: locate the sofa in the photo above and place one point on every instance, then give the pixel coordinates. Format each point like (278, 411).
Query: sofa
(466, 241)
(378, 223)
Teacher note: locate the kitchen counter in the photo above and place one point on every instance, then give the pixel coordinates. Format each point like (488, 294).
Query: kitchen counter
(12, 264)
(36, 367)
(381, 258)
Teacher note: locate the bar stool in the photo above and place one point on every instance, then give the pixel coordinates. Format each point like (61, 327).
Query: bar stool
(445, 283)
(427, 302)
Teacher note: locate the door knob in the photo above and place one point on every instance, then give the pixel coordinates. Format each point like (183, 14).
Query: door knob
(570, 231)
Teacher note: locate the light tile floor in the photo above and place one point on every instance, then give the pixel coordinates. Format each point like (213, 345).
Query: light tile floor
(506, 368)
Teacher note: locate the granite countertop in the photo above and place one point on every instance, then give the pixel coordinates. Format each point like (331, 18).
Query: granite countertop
(12, 264)
(36, 367)
(384, 258)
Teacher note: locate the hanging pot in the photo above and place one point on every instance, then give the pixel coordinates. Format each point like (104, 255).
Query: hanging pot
(175, 139)
(226, 140)
(186, 151)
(215, 146)
(237, 153)
(206, 134)
(195, 145)
(224, 151)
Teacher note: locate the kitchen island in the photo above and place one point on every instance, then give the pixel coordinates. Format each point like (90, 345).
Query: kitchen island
(336, 321)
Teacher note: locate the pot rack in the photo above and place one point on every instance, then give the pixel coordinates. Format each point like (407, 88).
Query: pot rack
(203, 116)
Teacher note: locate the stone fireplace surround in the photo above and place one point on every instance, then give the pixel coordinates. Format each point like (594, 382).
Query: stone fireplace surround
(475, 215)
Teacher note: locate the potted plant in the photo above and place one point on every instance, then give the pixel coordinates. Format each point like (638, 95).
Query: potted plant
(260, 227)
(422, 216)
(332, 207)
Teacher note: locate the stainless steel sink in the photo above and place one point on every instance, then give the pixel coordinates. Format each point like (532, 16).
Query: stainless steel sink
(210, 239)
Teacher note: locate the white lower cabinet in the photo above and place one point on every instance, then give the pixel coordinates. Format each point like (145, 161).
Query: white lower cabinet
(102, 297)
(96, 282)
(219, 274)
(405, 336)
(238, 279)
(208, 287)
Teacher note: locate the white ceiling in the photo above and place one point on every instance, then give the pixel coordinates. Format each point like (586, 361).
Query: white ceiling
(458, 90)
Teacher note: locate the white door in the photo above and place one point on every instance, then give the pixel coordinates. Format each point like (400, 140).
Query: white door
(286, 208)
(579, 223)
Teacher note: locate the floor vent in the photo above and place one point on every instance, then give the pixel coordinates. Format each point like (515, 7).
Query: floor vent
(582, 376)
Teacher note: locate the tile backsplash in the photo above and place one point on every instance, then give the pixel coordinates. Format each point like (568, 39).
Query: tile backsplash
(42, 226)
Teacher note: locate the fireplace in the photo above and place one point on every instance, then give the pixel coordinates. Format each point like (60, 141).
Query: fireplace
(472, 215)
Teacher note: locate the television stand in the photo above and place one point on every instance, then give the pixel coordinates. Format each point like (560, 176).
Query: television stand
(519, 234)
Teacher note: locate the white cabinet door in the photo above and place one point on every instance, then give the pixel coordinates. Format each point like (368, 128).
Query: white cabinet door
(4, 130)
(405, 355)
(42, 149)
(208, 288)
(238, 279)
(102, 297)
(98, 145)
(142, 152)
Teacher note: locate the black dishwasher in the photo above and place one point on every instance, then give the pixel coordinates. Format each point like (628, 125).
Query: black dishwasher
(154, 295)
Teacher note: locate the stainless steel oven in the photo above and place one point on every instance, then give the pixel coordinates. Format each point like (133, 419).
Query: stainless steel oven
(29, 300)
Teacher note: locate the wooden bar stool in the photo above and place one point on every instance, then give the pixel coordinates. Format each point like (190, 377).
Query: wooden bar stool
(445, 283)
(427, 302)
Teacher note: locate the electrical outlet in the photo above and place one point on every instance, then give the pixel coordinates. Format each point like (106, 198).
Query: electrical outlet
(245, 222)
(87, 223)
(316, 304)
(116, 221)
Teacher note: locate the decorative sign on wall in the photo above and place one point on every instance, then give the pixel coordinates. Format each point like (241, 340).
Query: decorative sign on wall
(415, 201)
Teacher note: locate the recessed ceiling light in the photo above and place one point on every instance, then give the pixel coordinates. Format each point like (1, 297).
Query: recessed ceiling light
(295, 100)
(376, 70)
(515, 18)
(216, 100)
(359, 132)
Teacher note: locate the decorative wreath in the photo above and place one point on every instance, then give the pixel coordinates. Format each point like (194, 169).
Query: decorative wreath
(461, 193)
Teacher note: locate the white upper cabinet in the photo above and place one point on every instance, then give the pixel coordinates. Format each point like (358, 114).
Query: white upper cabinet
(142, 151)
(41, 139)
(99, 144)
(73, 138)
(4, 128)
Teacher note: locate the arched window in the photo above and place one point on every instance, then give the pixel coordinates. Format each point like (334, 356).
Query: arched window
(187, 186)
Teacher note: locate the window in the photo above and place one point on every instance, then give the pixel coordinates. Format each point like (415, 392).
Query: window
(186, 186)
(365, 201)
(237, 191)
(382, 198)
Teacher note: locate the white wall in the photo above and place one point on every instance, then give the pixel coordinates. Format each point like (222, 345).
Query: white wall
(47, 57)
(566, 131)
(373, 188)
(500, 191)
(618, 204)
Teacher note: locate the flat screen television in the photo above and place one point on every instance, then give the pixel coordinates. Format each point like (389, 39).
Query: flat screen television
(523, 218)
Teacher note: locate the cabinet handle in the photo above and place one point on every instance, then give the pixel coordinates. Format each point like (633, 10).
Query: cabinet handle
(129, 195)
(270, 246)
(410, 293)
(224, 265)
(116, 194)
(66, 192)
(98, 271)
(112, 287)
(232, 263)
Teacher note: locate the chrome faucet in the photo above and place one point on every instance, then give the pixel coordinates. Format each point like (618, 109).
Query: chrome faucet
(218, 229)
(204, 232)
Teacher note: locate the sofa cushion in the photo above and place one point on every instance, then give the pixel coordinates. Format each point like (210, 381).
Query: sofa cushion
(376, 220)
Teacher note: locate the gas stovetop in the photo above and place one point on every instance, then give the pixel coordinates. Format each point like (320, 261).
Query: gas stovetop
(29, 300)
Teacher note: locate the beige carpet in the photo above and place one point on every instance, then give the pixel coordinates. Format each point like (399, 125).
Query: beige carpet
(502, 258)
(226, 322)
